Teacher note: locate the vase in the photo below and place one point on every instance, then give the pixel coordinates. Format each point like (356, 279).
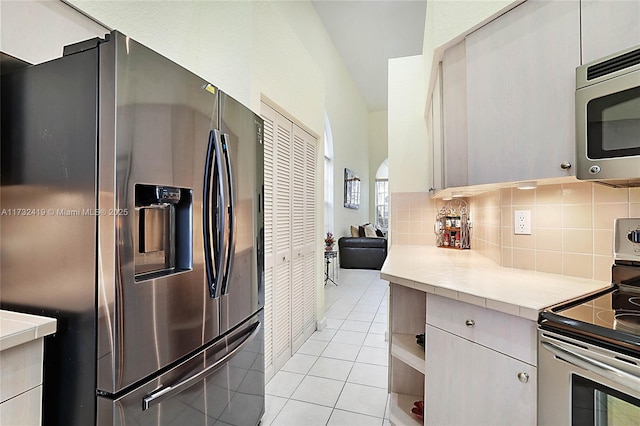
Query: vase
(328, 247)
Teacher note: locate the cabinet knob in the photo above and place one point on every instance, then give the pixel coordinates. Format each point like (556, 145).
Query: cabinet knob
(470, 323)
(523, 377)
(565, 165)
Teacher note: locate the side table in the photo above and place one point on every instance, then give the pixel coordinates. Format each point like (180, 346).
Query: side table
(328, 255)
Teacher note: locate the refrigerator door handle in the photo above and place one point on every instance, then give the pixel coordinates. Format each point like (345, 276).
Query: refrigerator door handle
(167, 392)
(231, 242)
(213, 168)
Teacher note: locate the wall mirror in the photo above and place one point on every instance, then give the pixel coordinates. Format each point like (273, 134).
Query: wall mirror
(351, 189)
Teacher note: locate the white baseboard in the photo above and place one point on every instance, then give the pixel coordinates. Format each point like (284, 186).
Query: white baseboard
(321, 324)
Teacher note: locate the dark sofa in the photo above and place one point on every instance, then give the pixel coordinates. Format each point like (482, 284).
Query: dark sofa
(362, 252)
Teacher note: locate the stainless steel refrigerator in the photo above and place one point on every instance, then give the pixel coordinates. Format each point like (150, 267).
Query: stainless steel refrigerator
(132, 212)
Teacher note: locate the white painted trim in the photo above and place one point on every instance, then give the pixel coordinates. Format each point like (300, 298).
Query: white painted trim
(321, 324)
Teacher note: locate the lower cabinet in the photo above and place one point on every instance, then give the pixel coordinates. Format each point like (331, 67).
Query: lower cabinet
(21, 384)
(467, 383)
(479, 367)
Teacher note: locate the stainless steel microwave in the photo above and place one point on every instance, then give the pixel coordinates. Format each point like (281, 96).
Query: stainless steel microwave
(608, 119)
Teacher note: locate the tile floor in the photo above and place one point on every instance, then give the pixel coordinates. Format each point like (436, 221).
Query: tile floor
(339, 376)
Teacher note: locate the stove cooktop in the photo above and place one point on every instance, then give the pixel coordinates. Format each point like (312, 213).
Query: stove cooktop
(610, 317)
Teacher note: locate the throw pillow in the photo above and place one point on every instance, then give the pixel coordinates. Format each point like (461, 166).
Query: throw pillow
(379, 233)
(354, 231)
(361, 231)
(369, 231)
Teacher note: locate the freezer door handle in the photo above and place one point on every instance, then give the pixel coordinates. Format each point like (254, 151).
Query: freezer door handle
(231, 242)
(167, 392)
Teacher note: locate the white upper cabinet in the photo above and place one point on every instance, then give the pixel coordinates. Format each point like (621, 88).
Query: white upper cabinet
(608, 27)
(520, 79)
(435, 114)
(454, 109)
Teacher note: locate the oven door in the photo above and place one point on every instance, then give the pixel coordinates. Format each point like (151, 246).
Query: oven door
(583, 384)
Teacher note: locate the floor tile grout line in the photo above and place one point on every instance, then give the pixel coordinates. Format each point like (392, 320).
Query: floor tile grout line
(360, 301)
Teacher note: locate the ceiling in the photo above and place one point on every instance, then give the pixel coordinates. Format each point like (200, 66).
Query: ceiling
(367, 33)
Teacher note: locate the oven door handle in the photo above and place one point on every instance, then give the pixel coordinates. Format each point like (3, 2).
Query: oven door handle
(621, 377)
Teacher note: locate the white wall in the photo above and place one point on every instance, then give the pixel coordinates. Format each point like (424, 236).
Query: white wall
(378, 151)
(408, 153)
(36, 31)
(345, 108)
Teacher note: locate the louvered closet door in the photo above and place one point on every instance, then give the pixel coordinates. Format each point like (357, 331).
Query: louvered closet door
(268, 114)
(282, 241)
(311, 249)
(300, 235)
(291, 252)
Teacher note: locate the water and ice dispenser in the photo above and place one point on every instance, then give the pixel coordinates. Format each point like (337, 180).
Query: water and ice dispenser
(163, 231)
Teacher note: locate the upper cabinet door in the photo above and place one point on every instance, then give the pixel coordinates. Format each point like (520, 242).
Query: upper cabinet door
(454, 108)
(608, 27)
(436, 162)
(520, 71)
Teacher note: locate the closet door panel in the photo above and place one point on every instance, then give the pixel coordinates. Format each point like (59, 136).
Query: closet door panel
(268, 115)
(299, 235)
(282, 241)
(311, 249)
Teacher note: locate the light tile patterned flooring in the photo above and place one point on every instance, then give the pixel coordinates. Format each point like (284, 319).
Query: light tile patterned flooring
(339, 376)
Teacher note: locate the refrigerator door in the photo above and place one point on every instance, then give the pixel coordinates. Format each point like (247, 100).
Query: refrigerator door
(155, 123)
(242, 290)
(223, 384)
(48, 246)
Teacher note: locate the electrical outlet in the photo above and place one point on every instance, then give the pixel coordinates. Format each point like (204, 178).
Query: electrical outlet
(522, 222)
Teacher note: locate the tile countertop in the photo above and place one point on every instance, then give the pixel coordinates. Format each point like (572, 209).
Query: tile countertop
(469, 277)
(17, 328)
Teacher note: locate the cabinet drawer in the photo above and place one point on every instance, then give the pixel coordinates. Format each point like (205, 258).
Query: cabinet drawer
(23, 410)
(508, 334)
(20, 369)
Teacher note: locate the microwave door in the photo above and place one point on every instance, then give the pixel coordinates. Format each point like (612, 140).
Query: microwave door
(608, 129)
(613, 125)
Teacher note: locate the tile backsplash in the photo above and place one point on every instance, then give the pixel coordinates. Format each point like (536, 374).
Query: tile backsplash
(412, 218)
(571, 225)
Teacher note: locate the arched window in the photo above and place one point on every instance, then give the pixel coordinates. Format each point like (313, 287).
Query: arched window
(328, 176)
(382, 197)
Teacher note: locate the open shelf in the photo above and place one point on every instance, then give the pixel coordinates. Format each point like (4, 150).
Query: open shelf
(407, 318)
(405, 348)
(400, 409)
